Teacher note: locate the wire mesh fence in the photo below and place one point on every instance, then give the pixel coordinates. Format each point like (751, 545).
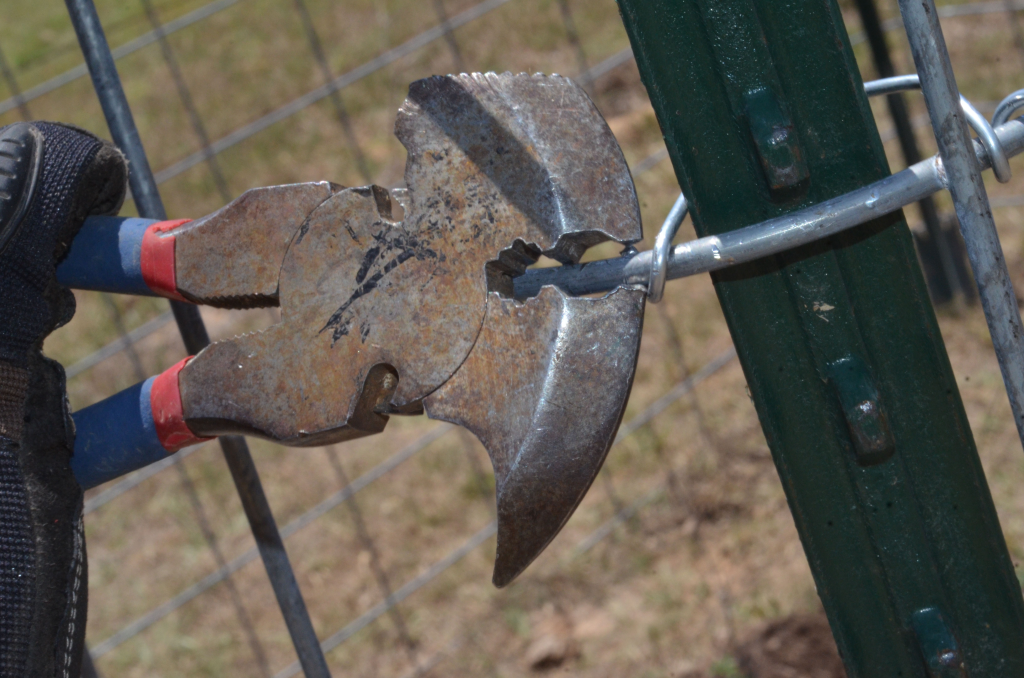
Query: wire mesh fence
(239, 93)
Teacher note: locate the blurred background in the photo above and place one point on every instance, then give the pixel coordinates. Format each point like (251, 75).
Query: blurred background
(682, 561)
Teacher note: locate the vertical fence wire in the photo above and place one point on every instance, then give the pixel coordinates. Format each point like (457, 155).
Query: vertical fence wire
(331, 89)
(187, 102)
(202, 521)
(376, 565)
(449, 35)
(12, 85)
(872, 26)
(334, 95)
(573, 36)
(120, 120)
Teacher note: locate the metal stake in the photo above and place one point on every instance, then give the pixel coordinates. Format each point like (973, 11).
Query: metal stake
(969, 197)
(108, 87)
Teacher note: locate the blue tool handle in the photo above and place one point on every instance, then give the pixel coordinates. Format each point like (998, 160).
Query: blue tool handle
(106, 256)
(132, 429)
(116, 436)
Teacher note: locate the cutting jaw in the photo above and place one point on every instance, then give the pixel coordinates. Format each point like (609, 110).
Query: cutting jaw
(383, 316)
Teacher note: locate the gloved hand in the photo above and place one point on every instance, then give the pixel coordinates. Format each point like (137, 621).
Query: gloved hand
(51, 178)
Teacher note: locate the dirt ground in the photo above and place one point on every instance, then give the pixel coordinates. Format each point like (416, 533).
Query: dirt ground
(705, 578)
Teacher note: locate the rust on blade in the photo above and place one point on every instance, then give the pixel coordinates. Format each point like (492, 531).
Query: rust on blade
(494, 179)
(544, 390)
(232, 258)
(383, 317)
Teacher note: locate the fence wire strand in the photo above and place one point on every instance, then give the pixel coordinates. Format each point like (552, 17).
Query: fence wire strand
(12, 84)
(376, 565)
(187, 102)
(340, 110)
(304, 520)
(639, 421)
(145, 40)
(199, 512)
(355, 75)
(331, 89)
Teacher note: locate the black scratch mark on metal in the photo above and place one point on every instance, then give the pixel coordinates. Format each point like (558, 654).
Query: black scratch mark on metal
(389, 240)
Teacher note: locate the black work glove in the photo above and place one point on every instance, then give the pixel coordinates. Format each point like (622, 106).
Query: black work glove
(51, 178)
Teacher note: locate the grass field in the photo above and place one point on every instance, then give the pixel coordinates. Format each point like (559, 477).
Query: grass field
(671, 592)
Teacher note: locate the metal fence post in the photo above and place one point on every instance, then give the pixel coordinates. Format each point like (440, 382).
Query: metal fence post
(763, 112)
(243, 470)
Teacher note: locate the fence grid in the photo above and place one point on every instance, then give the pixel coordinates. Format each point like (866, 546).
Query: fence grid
(332, 89)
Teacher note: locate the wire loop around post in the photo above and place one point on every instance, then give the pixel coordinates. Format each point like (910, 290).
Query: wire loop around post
(986, 133)
(663, 247)
(988, 138)
(1007, 107)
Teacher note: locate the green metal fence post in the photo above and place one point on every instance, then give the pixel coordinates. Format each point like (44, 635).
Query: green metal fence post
(763, 112)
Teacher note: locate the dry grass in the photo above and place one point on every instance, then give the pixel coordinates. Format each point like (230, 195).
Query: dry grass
(711, 558)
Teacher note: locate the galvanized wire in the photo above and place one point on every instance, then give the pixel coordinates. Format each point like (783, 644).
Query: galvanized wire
(401, 594)
(573, 36)
(122, 342)
(449, 35)
(332, 87)
(134, 479)
(376, 565)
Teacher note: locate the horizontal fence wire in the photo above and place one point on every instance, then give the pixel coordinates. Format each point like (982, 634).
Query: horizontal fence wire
(442, 30)
(368, 68)
(401, 594)
(339, 83)
(120, 344)
(80, 71)
(156, 614)
(681, 389)
(144, 40)
(136, 478)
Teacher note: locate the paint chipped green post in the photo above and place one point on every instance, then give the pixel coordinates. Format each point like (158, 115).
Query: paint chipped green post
(763, 112)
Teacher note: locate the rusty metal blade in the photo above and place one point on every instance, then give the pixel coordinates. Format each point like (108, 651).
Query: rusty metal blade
(232, 258)
(501, 168)
(544, 389)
